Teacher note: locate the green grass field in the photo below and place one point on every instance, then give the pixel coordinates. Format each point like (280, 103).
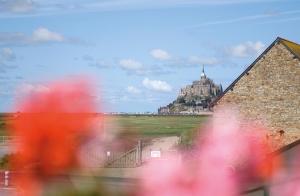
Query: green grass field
(154, 126)
(131, 128)
(144, 125)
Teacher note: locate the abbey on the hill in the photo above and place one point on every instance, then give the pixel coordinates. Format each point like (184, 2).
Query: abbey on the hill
(194, 98)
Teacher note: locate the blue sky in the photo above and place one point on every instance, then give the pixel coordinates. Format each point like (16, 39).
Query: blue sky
(139, 53)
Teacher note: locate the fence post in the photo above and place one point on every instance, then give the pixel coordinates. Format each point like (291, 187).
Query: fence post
(266, 191)
(6, 178)
(139, 153)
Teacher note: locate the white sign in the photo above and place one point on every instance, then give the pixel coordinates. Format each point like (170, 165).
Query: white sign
(108, 153)
(155, 154)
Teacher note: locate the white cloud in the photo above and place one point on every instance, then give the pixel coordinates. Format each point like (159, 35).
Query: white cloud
(101, 64)
(124, 98)
(192, 61)
(157, 85)
(14, 38)
(202, 60)
(88, 57)
(7, 54)
(133, 90)
(38, 36)
(27, 89)
(160, 54)
(17, 6)
(43, 7)
(246, 49)
(130, 64)
(272, 14)
(44, 35)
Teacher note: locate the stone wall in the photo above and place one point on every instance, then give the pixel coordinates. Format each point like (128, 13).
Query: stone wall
(270, 93)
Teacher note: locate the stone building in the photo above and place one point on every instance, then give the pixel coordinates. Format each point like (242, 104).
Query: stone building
(204, 87)
(268, 91)
(164, 110)
(194, 98)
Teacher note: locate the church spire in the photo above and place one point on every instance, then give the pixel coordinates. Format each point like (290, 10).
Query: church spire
(203, 73)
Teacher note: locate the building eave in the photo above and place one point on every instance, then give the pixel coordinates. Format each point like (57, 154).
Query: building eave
(231, 86)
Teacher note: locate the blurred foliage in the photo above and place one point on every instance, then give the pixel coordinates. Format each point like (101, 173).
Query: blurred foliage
(4, 161)
(5, 120)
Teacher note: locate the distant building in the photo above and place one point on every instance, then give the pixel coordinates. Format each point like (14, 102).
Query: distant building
(164, 110)
(268, 91)
(204, 88)
(194, 98)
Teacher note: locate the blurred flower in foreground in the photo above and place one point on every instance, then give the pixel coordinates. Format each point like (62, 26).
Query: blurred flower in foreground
(229, 155)
(287, 181)
(50, 128)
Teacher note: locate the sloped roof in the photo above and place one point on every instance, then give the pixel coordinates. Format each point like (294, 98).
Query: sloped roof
(293, 47)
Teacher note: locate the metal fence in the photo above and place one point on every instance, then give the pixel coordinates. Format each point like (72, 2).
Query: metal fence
(129, 159)
(5, 140)
(115, 159)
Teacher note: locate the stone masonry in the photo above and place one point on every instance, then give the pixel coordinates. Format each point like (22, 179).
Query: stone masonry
(269, 93)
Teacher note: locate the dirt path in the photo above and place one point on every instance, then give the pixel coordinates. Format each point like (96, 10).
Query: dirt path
(163, 144)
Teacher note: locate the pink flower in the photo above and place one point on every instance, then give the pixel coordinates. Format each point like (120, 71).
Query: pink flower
(287, 181)
(229, 155)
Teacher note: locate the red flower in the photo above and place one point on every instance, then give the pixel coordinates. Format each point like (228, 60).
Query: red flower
(50, 128)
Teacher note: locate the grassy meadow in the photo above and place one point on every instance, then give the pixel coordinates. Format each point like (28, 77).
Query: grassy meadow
(144, 126)
(156, 126)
